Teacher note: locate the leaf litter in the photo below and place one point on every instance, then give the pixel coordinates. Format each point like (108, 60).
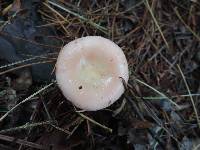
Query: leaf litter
(160, 108)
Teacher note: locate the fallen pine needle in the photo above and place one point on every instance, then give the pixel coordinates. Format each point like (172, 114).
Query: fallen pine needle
(191, 98)
(94, 122)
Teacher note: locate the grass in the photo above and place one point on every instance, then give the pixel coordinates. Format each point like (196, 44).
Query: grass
(25, 100)
(26, 126)
(156, 23)
(187, 26)
(190, 95)
(158, 92)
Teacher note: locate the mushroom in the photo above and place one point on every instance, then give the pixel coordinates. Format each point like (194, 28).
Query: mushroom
(89, 72)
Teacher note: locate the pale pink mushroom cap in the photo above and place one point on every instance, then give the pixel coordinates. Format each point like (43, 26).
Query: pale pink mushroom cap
(88, 72)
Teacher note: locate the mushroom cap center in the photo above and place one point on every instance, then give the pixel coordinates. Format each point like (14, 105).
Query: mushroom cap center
(94, 70)
(92, 73)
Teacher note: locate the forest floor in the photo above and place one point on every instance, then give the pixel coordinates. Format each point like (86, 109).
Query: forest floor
(160, 108)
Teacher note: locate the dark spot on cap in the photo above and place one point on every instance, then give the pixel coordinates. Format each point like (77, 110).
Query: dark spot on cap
(109, 102)
(80, 87)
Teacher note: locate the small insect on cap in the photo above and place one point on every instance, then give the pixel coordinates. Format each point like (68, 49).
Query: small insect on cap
(88, 72)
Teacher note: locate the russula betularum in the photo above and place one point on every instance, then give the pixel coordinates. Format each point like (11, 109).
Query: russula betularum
(88, 72)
